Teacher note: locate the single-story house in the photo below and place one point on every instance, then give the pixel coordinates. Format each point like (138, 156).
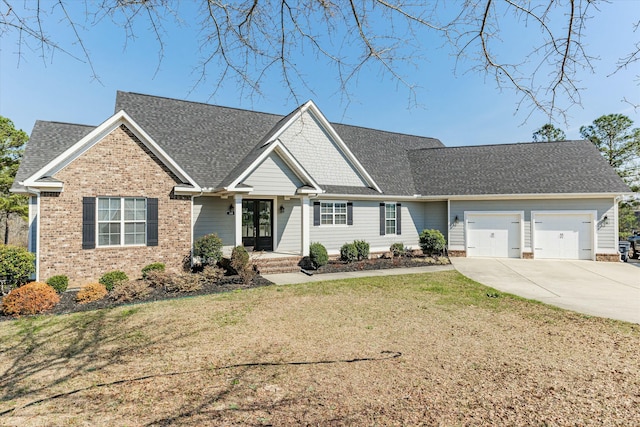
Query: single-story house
(160, 173)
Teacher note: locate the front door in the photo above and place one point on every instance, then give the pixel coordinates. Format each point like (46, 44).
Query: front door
(257, 224)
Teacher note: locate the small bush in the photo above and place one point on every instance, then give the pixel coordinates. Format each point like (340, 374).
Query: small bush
(112, 278)
(184, 282)
(130, 290)
(362, 248)
(32, 298)
(398, 249)
(348, 252)
(156, 266)
(318, 255)
(432, 242)
(91, 292)
(16, 264)
(240, 263)
(211, 274)
(158, 278)
(59, 283)
(209, 248)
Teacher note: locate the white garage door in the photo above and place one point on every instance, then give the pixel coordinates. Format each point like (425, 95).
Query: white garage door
(563, 235)
(493, 235)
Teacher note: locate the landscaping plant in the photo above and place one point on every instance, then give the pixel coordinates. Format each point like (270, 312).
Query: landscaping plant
(348, 252)
(91, 292)
(240, 263)
(129, 290)
(362, 248)
(318, 255)
(16, 265)
(208, 248)
(59, 283)
(32, 298)
(398, 249)
(432, 242)
(112, 278)
(156, 266)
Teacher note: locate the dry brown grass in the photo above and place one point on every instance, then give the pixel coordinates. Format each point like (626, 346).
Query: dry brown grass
(324, 354)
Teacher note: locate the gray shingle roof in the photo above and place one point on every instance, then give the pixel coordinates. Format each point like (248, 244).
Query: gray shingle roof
(214, 144)
(47, 141)
(525, 168)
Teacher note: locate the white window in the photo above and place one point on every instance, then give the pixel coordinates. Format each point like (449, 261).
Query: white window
(333, 213)
(122, 221)
(390, 218)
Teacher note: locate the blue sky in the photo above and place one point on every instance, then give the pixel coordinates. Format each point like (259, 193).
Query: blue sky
(461, 108)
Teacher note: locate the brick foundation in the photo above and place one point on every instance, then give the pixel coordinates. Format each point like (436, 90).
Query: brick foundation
(458, 254)
(608, 257)
(119, 165)
(527, 255)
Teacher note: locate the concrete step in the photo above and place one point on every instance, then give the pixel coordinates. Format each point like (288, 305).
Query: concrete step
(277, 265)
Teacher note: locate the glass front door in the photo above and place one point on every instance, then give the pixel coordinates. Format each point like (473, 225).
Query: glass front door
(257, 224)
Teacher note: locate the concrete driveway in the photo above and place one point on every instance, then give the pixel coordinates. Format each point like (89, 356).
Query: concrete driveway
(604, 289)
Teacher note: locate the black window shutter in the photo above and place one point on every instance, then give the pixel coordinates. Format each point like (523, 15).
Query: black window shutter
(398, 218)
(152, 222)
(316, 213)
(382, 219)
(88, 222)
(349, 213)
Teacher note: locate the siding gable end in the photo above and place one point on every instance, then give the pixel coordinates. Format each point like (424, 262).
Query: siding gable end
(273, 177)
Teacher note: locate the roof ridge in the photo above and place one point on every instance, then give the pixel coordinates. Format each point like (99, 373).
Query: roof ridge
(530, 143)
(57, 122)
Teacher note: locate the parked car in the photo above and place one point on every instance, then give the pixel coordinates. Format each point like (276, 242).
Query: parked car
(634, 251)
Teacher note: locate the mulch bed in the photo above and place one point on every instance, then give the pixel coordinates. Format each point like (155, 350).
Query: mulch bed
(337, 266)
(68, 302)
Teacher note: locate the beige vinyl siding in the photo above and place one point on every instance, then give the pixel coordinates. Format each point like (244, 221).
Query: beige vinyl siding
(210, 216)
(435, 217)
(366, 226)
(289, 225)
(606, 234)
(273, 177)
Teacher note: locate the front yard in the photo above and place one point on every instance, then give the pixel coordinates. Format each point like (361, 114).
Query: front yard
(429, 349)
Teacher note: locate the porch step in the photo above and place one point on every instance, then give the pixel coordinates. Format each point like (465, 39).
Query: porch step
(277, 265)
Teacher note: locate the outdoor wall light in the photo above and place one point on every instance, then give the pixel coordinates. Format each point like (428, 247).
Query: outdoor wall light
(231, 210)
(605, 220)
(281, 208)
(456, 220)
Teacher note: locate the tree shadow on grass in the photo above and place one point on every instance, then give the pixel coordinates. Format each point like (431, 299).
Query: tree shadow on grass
(189, 411)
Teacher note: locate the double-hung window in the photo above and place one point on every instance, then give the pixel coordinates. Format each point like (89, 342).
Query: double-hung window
(333, 213)
(390, 218)
(122, 221)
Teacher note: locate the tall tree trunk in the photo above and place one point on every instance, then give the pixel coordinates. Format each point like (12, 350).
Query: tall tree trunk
(6, 229)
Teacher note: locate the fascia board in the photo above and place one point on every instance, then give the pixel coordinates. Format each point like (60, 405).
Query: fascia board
(352, 158)
(532, 196)
(288, 158)
(95, 136)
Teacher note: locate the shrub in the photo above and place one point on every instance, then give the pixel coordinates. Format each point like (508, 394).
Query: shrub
(209, 248)
(432, 241)
(112, 278)
(362, 248)
(184, 282)
(318, 255)
(240, 263)
(91, 292)
(211, 274)
(348, 252)
(156, 266)
(129, 290)
(32, 298)
(59, 283)
(398, 249)
(158, 278)
(16, 264)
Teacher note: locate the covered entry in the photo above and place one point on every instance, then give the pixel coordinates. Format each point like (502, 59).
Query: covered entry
(494, 234)
(563, 235)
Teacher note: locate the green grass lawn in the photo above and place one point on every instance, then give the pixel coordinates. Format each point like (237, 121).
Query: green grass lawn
(434, 348)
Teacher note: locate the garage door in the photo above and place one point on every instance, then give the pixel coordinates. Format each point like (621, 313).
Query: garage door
(493, 235)
(563, 236)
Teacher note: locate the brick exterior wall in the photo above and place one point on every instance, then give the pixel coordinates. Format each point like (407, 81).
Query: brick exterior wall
(118, 165)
